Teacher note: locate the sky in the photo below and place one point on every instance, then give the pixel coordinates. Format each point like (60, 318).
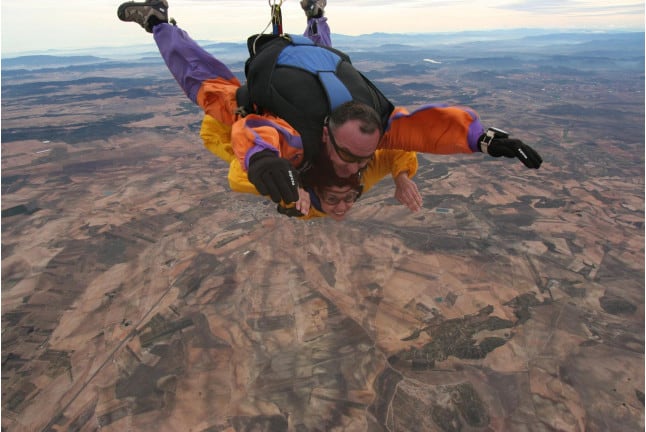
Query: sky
(32, 27)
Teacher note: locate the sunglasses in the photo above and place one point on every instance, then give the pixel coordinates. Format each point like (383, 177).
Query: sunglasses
(344, 154)
(349, 197)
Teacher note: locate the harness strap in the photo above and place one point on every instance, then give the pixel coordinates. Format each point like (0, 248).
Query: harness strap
(320, 62)
(337, 92)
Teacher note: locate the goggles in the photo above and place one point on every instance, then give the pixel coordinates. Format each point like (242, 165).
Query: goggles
(349, 197)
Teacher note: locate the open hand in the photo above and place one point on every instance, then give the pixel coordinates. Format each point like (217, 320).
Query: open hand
(406, 192)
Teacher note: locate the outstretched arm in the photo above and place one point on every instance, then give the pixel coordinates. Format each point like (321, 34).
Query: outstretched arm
(402, 165)
(442, 129)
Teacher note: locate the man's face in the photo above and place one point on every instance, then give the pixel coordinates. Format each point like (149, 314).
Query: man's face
(336, 201)
(348, 148)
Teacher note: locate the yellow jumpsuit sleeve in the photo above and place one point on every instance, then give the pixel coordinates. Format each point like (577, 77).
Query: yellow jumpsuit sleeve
(387, 162)
(238, 180)
(216, 137)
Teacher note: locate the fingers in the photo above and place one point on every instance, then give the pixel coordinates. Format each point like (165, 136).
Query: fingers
(412, 204)
(280, 188)
(516, 148)
(271, 188)
(529, 156)
(504, 147)
(273, 176)
(415, 203)
(417, 198)
(303, 204)
(288, 187)
(409, 196)
(412, 200)
(262, 189)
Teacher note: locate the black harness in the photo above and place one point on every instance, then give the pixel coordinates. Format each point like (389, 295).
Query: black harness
(300, 82)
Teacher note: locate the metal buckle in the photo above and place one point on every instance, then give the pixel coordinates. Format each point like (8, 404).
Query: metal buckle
(492, 133)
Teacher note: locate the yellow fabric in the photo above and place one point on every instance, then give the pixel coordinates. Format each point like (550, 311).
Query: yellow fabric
(238, 180)
(386, 162)
(217, 139)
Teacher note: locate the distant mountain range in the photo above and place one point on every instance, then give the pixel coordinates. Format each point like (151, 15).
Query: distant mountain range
(611, 44)
(52, 60)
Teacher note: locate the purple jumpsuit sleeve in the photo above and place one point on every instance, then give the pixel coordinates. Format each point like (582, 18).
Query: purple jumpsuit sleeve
(318, 31)
(189, 63)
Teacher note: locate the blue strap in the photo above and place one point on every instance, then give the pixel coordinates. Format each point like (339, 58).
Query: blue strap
(320, 62)
(300, 40)
(337, 92)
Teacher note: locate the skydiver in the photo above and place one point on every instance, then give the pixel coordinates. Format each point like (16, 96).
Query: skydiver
(281, 134)
(323, 193)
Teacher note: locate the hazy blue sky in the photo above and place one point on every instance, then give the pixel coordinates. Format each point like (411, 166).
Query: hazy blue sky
(70, 24)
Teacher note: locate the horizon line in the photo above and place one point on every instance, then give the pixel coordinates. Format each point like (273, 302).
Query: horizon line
(565, 30)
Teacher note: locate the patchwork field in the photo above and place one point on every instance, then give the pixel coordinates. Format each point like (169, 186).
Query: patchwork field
(140, 293)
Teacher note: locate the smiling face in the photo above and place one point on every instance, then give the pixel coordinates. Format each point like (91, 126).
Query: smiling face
(336, 201)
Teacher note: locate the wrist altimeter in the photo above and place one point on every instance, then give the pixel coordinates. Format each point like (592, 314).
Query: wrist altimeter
(491, 134)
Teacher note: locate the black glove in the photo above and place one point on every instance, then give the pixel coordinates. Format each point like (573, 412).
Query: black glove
(499, 144)
(273, 176)
(289, 211)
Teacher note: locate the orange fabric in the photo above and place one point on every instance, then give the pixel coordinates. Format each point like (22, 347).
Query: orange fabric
(243, 138)
(217, 136)
(430, 129)
(437, 130)
(217, 97)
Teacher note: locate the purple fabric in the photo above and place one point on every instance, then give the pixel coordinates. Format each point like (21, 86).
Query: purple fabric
(259, 146)
(318, 31)
(189, 63)
(475, 131)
